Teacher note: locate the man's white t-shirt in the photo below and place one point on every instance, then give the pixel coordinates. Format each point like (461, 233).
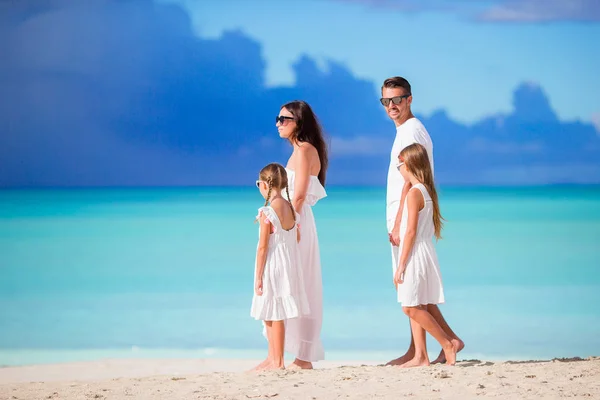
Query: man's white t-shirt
(411, 131)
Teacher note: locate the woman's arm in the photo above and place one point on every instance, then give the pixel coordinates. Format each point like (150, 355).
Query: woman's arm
(302, 170)
(414, 202)
(261, 252)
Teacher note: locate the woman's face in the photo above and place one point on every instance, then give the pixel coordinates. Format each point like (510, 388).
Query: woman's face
(286, 124)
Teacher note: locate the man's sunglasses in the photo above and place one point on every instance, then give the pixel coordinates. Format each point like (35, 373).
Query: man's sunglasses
(282, 118)
(396, 100)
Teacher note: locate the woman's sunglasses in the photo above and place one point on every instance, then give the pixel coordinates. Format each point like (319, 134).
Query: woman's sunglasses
(281, 119)
(396, 100)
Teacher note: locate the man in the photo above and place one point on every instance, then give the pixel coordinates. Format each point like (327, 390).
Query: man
(397, 99)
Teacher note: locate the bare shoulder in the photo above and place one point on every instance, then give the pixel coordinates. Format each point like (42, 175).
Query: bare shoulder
(307, 149)
(284, 212)
(415, 197)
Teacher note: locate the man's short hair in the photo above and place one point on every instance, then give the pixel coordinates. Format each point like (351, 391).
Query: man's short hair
(397, 82)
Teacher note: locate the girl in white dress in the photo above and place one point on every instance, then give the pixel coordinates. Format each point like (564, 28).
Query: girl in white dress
(307, 168)
(278, 288)
(417, 276)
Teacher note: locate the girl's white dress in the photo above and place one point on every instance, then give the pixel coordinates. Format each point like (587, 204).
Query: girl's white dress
(303, 335)
(283, 294)
(422, 278)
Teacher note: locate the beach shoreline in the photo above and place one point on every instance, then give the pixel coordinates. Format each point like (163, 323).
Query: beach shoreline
(229, 379)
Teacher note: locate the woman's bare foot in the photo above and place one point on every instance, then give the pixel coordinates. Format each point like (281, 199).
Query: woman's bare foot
(299, 364)
(420, 361)
(402, 360)
(450, 351)
(458, 344)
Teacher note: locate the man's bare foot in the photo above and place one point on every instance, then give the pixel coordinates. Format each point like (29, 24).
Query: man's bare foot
(416, 362)
(458, 344)
(402, 360)
(299, 364)
(450, 351)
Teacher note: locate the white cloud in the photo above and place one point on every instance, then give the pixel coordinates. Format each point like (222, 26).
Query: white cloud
(490, 146)
(543, 11)
(359, 145)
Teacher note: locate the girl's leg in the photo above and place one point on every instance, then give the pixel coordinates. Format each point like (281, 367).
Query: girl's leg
(410, 353)
(435, 312)
(266, 363)
(420, 358)
(276, 343)
(426, 320)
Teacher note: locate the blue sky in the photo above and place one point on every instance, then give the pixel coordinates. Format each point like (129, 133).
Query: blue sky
(453, 56)
(157, 92)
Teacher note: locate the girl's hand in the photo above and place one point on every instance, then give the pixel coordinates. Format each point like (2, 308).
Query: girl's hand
(298, 233)
(399, 277)
(258, 287)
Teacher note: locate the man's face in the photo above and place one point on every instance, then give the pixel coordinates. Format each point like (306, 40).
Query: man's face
(397, 111)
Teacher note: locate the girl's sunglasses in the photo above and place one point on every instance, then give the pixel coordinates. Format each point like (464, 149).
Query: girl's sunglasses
(258, 183)
(281, 119)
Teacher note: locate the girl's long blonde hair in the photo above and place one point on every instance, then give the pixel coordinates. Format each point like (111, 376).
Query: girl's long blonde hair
(416, 160)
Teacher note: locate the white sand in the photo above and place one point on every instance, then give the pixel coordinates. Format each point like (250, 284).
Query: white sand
(197, 379)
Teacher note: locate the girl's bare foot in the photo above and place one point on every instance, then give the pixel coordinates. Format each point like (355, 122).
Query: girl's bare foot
(416, 362)
(402, 360)
(299, 364)
(458, 344)
(450, 351)
(272, 367)
(262, 365)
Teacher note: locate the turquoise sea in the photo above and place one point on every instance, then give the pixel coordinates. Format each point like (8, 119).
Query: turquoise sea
(96, 273)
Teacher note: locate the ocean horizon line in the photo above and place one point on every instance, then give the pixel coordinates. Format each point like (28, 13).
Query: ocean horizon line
(335, 186)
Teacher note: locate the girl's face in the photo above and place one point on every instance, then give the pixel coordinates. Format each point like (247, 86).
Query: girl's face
(263, 188)
(286, 124)
(403, 170)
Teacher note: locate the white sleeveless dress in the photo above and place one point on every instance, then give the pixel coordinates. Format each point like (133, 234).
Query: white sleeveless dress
(303, 335)
(422, 278)
(283, 294)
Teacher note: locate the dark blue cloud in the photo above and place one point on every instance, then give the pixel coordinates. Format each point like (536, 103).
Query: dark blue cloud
(124, 93)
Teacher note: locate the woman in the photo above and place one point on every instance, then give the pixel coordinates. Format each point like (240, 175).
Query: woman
(306, 168)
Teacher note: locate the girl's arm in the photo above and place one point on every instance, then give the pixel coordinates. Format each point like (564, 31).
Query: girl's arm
(261, 251)
(394, 236)
(302, 169)
(414, 202)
